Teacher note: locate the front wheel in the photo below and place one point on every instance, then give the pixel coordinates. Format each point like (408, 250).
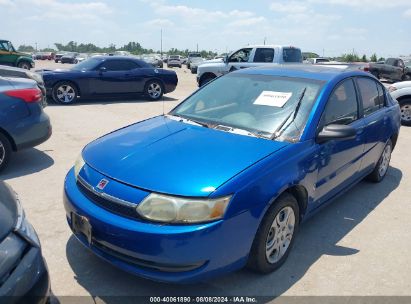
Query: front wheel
(405, 108)
(154, 90)
(64, 93)
(5, 151)
(24, 65)
(383, 164)
(276, 235)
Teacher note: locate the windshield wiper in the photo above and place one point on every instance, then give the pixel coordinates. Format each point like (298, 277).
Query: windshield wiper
(277, 132)
(240, 131)
(190, 120)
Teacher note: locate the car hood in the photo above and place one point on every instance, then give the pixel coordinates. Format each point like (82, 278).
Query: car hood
(8, 210)
(168, 156)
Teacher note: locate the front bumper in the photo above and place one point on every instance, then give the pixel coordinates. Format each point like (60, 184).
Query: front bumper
(29, 282)
(170, 253)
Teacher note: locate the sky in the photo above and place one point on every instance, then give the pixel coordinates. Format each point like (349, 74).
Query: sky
(327, 27)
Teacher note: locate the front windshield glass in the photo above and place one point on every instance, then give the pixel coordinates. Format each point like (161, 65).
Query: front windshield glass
(86, 65)
(267, 106)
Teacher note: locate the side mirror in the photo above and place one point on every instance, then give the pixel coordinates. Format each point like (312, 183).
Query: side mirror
(102, 70)
(336, 132)
(225, 59)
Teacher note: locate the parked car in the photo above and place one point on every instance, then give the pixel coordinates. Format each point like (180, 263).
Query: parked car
(58, 56)
(38, 56)
(174, 61)
(108, 76)
(250, 56)
(24, 277)
(48, 56)
(190, 57)
(225, 179)
(318, 60)
(392, 69)
(154, 61)
(69, 58)
(401, 91)
(195, 62)
(23, 123)
(6, 71)
(81, 57)
(122, 53)
(9, 56)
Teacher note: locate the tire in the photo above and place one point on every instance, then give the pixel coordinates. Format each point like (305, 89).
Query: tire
(376, 74)
(65, 93)
(5, 151)
(272, 245)
(56, 61)
(154, 90)
(206, 80)
(24, 65)
(405, 108)
(383, 164)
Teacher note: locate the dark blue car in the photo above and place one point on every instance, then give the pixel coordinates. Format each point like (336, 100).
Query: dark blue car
(23, 123)
(225, 179)
(108, 76)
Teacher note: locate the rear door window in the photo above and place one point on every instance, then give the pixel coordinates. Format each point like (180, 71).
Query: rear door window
(372, 98)
(120, 65)
(264, 55)
(292, 55)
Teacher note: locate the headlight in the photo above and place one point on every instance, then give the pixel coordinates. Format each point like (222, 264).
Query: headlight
(36, 77)
(78, 165)
(392, 88)
(172, 209)
(23, 228)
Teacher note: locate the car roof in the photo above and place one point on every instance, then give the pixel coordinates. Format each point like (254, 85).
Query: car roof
(318, 72)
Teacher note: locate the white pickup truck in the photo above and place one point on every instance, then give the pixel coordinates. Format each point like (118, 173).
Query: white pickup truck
(249, 56)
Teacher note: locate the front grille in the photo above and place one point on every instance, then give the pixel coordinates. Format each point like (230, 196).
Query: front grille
(111, 204)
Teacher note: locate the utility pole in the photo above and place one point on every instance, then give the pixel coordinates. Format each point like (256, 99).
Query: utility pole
(197, 47)
(36, 46)
(265, 39)
(161, 42)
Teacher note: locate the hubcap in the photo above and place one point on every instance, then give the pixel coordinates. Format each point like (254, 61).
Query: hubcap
(280, 235)
(154, 90)
(406, 112)
(385, 160)
(65, 93)
(2, 153)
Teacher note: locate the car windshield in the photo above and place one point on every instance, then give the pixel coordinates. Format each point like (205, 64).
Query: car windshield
(86, 65)
(265, 106)
(174, 57)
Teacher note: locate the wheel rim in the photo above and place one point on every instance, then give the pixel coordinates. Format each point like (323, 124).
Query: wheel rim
(154, 90)
(280, 235)
(2, 153)
(65, 93)
(385, 160)
(406, 113)
(25, 66)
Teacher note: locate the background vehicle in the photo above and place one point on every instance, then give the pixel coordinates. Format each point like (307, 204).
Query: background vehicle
(23, 123)
(190, 57)
(392, 69)
(81, 57)
(195, 62)
(283, 142)
(6, 71)
(24, 276)
(174, 61)
(250, 56)
(48, 56)
(318, 60)
(108, 76)
(121, 53)
(401, 91)
(9, 56)
(153, 60)
(58, 56)
(69, 58)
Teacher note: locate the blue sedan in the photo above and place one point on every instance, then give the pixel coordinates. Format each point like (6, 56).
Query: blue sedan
(227, 177)
(108, 76)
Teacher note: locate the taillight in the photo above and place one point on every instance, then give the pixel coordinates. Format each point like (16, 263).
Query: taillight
(28, 95)
(366, 68)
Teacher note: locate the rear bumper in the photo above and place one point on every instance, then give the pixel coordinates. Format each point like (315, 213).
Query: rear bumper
(31, 131)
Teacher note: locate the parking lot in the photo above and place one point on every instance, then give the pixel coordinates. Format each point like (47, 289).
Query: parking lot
(359, 245)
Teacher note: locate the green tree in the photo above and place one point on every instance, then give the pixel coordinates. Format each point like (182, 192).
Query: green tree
(381, 59)
(364, 58)
(26, 48)
(373, 57)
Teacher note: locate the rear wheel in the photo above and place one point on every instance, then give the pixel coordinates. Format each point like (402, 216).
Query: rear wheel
(383, 164)
(65, 93)
(24, 65)
(5, 151)
(276, 235)
(405, 108)
(205, 80)
(154, 90)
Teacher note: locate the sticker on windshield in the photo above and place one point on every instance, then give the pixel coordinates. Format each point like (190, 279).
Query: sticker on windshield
(273, 99)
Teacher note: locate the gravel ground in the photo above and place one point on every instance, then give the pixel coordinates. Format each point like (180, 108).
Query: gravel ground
(359, 245)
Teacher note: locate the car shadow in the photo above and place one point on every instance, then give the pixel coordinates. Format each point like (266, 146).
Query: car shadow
(26, 162)
(112, 100)
(318, 236)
